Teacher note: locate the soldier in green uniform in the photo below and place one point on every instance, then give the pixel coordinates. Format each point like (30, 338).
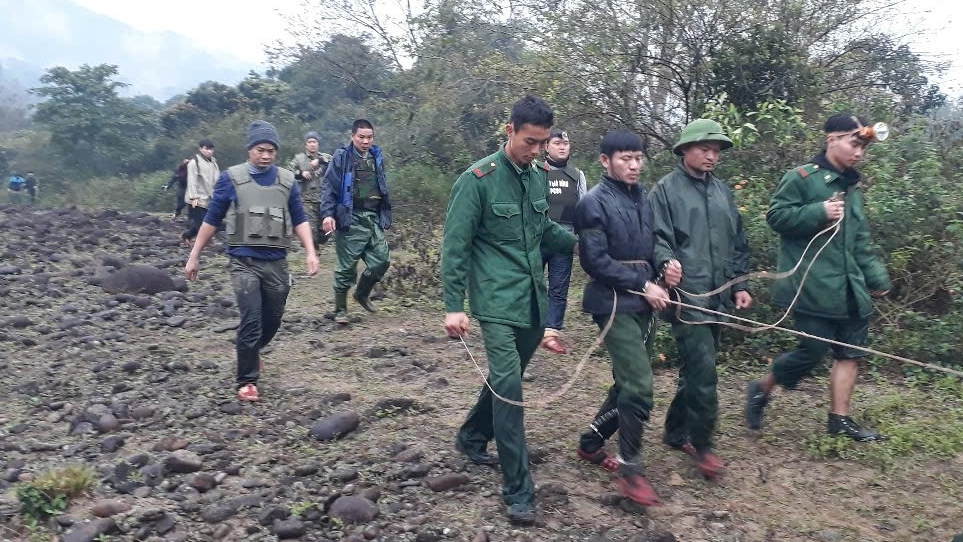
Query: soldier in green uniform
(700, 244)
(355, 201)
(836, 299)
(309, 167)
(496, 226)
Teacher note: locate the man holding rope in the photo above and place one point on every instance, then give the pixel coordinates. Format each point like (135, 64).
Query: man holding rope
(614, 224)
(700, 245)
(835, 299)
(496, 226)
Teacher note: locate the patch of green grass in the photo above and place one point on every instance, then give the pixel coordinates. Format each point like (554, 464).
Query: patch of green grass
(51, 492)
(916, 421)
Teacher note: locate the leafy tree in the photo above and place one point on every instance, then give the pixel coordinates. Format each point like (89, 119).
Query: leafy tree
(95, 129)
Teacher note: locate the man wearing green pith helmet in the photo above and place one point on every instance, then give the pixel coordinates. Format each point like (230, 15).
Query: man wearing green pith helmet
(700, 245)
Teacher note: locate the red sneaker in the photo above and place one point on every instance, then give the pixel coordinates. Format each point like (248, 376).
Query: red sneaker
(248, 393)
(709, 465)
(600, 458)
(637, 488)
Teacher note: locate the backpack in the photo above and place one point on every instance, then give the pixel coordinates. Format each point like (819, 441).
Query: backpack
(16, 183)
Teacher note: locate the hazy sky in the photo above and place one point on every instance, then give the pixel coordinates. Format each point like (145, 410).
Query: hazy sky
(220, 25)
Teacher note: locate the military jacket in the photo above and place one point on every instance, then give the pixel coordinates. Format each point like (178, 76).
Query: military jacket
(310, 189)
(496, 223)
(697, 223)
(839, 283)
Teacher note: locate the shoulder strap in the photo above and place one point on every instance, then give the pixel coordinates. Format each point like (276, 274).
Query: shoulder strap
(239, 174)
(806, 170)
(484, 169)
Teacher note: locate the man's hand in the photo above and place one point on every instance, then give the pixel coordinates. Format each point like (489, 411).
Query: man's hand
(311, 261)
(673, 273)
(328, 224)
(456, 324)
(657, 297)
(195, 202)
(306, 175)
(834, 209)
(743, 299)
(878, 294)
(193, 265)
(314, 163)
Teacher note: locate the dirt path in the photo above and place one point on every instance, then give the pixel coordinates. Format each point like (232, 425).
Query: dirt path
(411, 387)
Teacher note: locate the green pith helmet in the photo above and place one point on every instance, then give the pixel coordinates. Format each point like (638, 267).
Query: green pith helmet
(701, 130)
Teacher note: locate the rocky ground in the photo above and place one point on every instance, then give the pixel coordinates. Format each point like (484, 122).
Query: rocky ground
(353, 438)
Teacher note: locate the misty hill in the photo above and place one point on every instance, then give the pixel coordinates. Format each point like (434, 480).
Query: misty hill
(39, 34)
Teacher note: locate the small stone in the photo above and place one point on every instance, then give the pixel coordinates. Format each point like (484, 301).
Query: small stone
(290, 528)
(176, 321)
(183, 462)
(90, 531)
(170, 444)
(343, 475)
(352, 509)
(231, 408)
(447, 481)
(142, 412)
(111, 444)
(335, 426)
(675, 480)
(202, 482)
(107, 423)
(105, 509)
(272, 513)
(218, 512)
(307, 469)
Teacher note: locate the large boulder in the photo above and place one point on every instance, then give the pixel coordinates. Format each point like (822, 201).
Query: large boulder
(138, 279)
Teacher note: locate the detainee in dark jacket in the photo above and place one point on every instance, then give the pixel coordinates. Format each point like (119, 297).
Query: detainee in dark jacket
(614, 224)
(355, 202)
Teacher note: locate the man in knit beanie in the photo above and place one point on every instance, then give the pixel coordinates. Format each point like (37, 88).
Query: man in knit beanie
(261, 204)
(309, 167)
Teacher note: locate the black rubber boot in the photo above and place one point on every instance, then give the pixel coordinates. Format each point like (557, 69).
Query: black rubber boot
(363, 292)
(341, 307)
(756, 401)
(844, 425)
(521, 514)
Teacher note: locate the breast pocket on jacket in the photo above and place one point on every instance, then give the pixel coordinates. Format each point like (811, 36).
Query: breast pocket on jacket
(505, 221)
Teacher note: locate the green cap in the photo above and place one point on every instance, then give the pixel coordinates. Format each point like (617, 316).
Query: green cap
(701, 130)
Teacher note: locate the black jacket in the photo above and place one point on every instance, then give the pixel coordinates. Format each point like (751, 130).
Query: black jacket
(614, 225)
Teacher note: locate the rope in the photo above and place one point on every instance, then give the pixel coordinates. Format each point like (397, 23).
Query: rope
(756, 327)
(542, 403)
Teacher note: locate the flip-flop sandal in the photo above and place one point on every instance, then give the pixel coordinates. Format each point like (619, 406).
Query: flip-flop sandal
(554, 344)
(600, 458)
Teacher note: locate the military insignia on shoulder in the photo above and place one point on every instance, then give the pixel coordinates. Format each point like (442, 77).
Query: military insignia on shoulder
(483, 169)
(807, 170)
(543, 164)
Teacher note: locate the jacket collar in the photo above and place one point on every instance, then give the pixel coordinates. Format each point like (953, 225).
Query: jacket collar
(518, 169)
(631, 191)
(681, 169)
(850, 176)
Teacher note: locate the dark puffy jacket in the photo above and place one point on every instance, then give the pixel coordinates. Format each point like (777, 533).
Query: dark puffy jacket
(336, 196)
(614, 225)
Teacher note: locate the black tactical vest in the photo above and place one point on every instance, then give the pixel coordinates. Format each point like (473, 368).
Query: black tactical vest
(563, 193)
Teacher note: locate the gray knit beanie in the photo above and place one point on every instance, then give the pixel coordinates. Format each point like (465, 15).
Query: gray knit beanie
(262, 132)
(312, 135)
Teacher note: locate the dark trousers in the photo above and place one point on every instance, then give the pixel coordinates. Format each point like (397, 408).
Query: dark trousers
(694, 411)
(261, 287)
(791, 367)
(181, 191)
(509, 350)
(195, 216)
(364, 240)
(629, 401)
(559, 276)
